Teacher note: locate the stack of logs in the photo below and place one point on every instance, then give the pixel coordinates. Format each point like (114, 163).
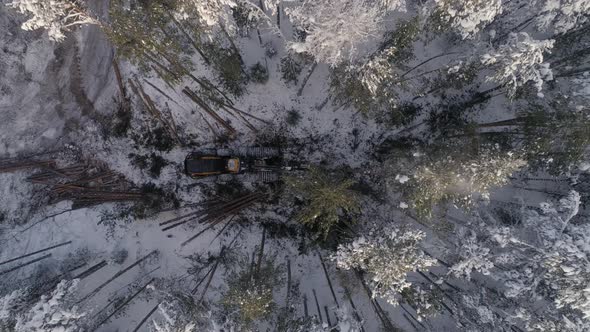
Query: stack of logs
(83, 184)
(215, 212)
(13, 165)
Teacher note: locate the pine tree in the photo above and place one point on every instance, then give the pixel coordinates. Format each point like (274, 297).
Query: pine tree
(139, 35)
(540, 258)
(458, 178)
(337, 30)
(467, 17)
(473, 258)
(250, 291)
(327, 198)
(551, 138)
(386, 259)
(372, 87)
(56, 16)
(562, 15)
(426, 300)
(51, 313)
(518, 61)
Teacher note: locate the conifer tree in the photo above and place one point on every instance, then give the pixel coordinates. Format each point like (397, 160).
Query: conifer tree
(250, 291)
(337, 30)
(53, 312)
(519, 61)
(386, 259)
(467, 17)
(459, 179)
(56, 16)
(327, 198)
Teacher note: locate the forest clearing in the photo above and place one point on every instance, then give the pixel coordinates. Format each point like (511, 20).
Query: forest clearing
(294, 165)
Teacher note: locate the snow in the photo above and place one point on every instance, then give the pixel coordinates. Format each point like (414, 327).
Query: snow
(49, 315)
(43, 83)
(402, 178)
(584, 166)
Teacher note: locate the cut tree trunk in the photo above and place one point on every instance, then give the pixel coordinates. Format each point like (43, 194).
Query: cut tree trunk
(304, 83)
(35, 252)
(317, 304)
(91, 270)
(288, 283)
(146, 317)
(188, 36)
(117, 275)
(122, 305)
(327, 315)
(355, 313)
(261, 253)
(25, 264)
(231, 42)
(328, 279)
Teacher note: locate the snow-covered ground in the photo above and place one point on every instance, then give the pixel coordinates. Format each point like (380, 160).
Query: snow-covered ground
(51, 93)
(63, 97)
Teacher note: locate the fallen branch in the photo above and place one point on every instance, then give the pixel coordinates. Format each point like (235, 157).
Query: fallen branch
(46, 218)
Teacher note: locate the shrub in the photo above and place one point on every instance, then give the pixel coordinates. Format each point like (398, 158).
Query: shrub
(290, 69)
(258, 73)
(293, 117)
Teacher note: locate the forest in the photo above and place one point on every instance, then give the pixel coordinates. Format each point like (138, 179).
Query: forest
(294, 165)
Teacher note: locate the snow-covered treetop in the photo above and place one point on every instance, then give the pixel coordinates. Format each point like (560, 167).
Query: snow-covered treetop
(9, 304)
(339, 30)
(553, 220)
(209, 12)
(390, 5)
(387, 259)
(563, 15)
(171, 321)
(583, 86)
(346, 321)
(51, 313)
(56, 16)
(467, 17)
(519, 61)
(545, 251)
(459, 180)
(474, 258)
(547, 324)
